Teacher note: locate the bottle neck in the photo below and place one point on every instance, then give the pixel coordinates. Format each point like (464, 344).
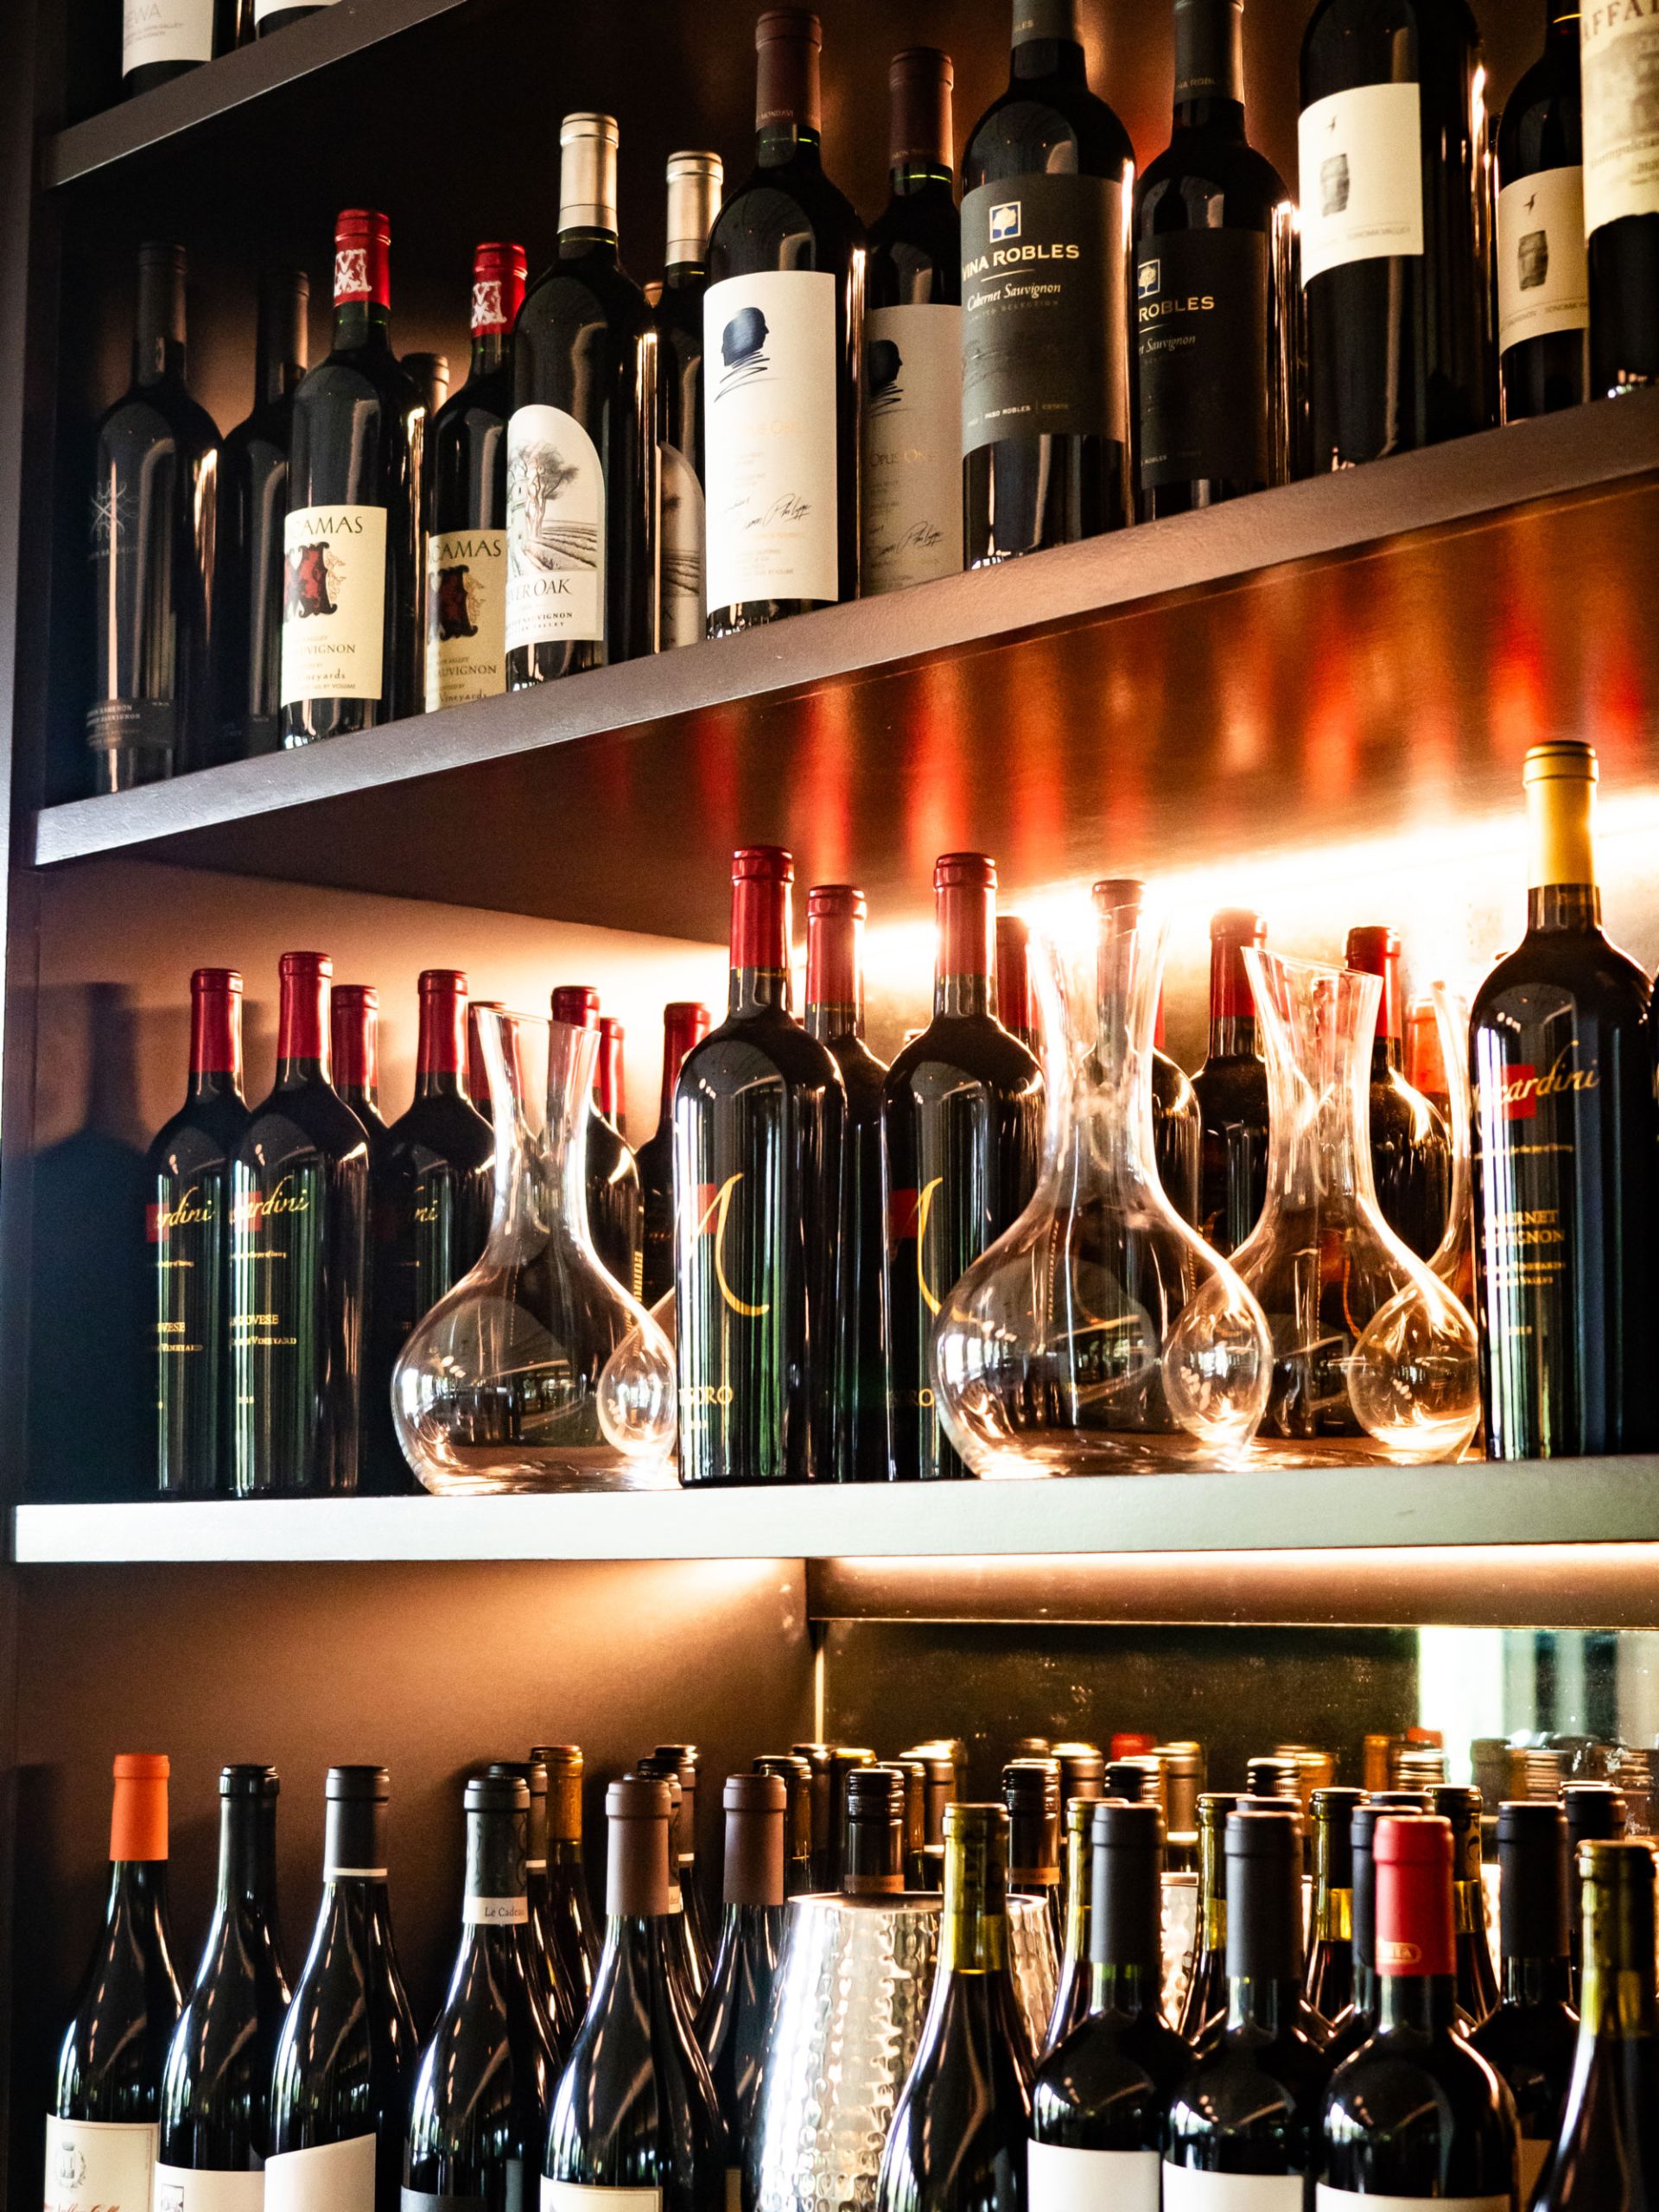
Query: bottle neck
(1232, 1009)
(1561, 26)
(1426, 2003)
(216, 1045)
(158, 334)
(974, 1932)
(1220, 118)
(1564, 906)
(362, 326)
(920, 176)
(1128, 1991)
(1536, 1981)
(1047, 42)
(441, 1055)
(579, 240)
(1333, 1913)
(496, 1896)
(685, 276)
(1267, 2005)
(489, 352)
(283, 346)
(965, 916)
(1210, 66)
(1561, 891)
(788, 105)
(246, 1857)
(760, 974)
(137, 1894)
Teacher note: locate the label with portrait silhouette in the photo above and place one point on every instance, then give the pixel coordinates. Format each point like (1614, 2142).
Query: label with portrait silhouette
(1362, 176)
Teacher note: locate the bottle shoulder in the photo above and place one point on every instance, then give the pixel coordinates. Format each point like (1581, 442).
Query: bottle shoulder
(310, 1117)
(1105, 2070)
(1250, 2082)
(1059, 129)
(1177, 189)
(576, 290)
(747, 1046)
(1400, 2068)
(962, 1048)
(201, 1136)
(1584, 963)
(149, 416)
(1518, 2033)
(439, 1130)
(784, 202)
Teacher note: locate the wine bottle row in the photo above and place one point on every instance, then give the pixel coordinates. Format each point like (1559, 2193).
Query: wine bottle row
(808, 411)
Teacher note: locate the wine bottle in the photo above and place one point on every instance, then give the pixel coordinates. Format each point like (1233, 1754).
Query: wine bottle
(781, 334)
(635, 2108)
(151, 544)
(1411, 1151)
(823, 1820)
(1358, 2024)
(352, 540)
(961, 1133)
(834, 1015)
(1016, 1007)
(432, 1186)
(1395, 276)
(614, 1203)
(215, 2114)
(252, 507)
(1418, 2113)
(477, 2115)
(1621, 200)
(1561, 1044)
(1083, 1776)
(686, 1951)
(733, 2019)
(872, 1833)
(1328, 1985)
(1530, 2039)
(684, 1024)
(1031, 1790)
(760, 1124)
(1177, 1130)
(796, 1775)
(1100, 2102)
(1072, 1990)
(558, 2001)
(299, 1210)
(912, 340)
(939, 1791)
(1595, 1812)
(918, 1873)
(1476, 1977)
(580, 561)
(573, 1938)
(1231, 1088)
(102, 2129)
(1544, 273)
(354, 1042)
(960, 2127)
(689, 1763)
(163, 39)
(188, 1210)
(610, 1085)
(346, 2057)
(1204, 2006)
(429, 374)
(1217, 315)
(466, 521)
(276, 14)
(1252, 2104)
(1047, 181)
(694, 186)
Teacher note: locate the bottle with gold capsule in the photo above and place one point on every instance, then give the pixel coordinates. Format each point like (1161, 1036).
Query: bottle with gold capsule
(1204, 2009)
(1329, 1987)
(1071, 1992)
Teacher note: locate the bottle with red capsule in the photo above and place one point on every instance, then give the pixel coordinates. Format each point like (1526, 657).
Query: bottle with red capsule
(354, 1033)
(615, 1210)
(684, 1024)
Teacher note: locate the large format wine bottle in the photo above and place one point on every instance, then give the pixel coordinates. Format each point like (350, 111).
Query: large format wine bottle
(1544, 275)
(1047, 186)
(1216, 312)
(346, 2057)
(161, 39)
(1395, 268)
(733, 2017)
(694, 183)
(1231, 1088)
(187, 1224)
(782, 323)
(1621, 197)
(635, 2108)
(1418, 2113)
(215, 2113)
(1411, 1152)
(1329, 1981)
(1566, 1274)
(248, 565)
(1530, 2039)
(961, 1129)
(467, 523)
(572, 1935)
(959, 2129)
(352, 540)
(354, 1043)
(152, 541)
(684, 1024)
(1204, 2007)
(760, 1124)
(101, 2131)
(299, 1233)
(614, 1204)
(911, 490)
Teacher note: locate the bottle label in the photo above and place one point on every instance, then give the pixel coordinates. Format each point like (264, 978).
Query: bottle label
(680, 548)
(1185, 2190)
(1362, 176)
(555, 532)
(165, 30)
(187, 1226)
(183, 2188)
(769, 414)
(1618, 49)
(333, 603)
(333, 2178)
(132, 725)
(1045, 312)
(1201, 346)
(495, 1912)
(466, 628)
(1327, 2199)
(1061, 2179)
(585, 2196)
(1544, 271)
(912, 512)
(106, 2164)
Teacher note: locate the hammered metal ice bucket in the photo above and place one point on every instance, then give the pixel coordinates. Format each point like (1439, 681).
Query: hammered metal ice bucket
(846, 2015)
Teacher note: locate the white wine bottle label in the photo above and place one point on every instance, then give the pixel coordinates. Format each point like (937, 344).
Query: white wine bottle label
(465, 616)
(1618, 49)
(262, 9)
(1544, 271)
(588, 2197)
(911, 512)
(333, 2178)
(165, 30)
(108, 2163)
(1187, 2191)
(333, 603)
(182, 2189)
(1327, 2199)
(555, 532)
(679, 550)
(496, 1912)
(1061, 2179)
(1362, 176)
(770, 415)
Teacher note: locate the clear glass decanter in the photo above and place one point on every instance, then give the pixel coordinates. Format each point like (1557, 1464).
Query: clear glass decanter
(1100, 1334)
(509, 1383)
(1373, 1357)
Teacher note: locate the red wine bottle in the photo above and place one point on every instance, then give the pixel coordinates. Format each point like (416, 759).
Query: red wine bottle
(1231, 1088)
(760, 1132)
(467, 520)
(1544, 273)
(1047, 178)
(151, 542)
(1031, 1790)
(1016, 1005)
(684, 1024)
(782, 323)
(354, 1035)
(1358, 2024)
(614, 1203)
(1596, 1812)
(694, 185)
(961, 1130)
(248, 565)
(299, 1190)
(1328, 1985)
(1530, 2039)
(572, 1934)
(350, 601)
(102, 2129)
(1072, 1990)
(834, 1015)
(1621, 200)
(610, 1074)
(732, 2020)
(580, 562)
(163, 39)
(911, 490)
(188, 1208)
(1411, 1149)
(1476, 1977)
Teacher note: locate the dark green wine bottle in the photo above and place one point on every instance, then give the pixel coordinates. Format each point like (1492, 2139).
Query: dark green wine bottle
(1531, 2039)
(1329, 1987)
(1204, 2008)
(572, 1930)
(736, 2007)
(1071, 1991)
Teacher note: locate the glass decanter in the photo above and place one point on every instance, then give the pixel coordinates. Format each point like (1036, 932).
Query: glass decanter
(1374, 1358)
(509, 1383)
(1100, 1333)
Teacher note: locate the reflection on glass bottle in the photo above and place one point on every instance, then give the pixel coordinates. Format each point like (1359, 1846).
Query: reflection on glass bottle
(1232, 1090)
(1411, 1152)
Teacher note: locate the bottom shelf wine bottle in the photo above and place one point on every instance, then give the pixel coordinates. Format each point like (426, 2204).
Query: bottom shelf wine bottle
(733, 2019)
(1530, 2039)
